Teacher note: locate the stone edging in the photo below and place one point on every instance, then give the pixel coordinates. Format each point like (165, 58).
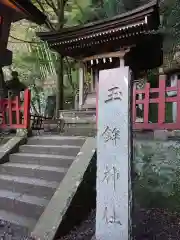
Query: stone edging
(52, 217)
(11, 146)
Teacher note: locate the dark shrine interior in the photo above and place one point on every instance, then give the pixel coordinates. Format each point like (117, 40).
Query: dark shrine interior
(146, 54)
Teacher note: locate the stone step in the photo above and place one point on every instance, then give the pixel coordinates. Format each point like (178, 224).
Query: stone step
(30, 186)
(31, 177)
(81, 121)
(34, 171)
(91, 94)
(89, 106)
(56, 140)
(79, 131)
(77, 113)
(80, 125)
(22, 204)
(90, 101)
(17, 219)
(50, 149)
(42, 159)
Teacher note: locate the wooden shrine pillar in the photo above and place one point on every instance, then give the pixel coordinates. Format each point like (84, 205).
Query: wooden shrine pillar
(96, 78)
(114, 149)
(81, 85)
(92, 81)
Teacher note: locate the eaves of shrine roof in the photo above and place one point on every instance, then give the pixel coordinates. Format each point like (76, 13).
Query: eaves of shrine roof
(146, 15)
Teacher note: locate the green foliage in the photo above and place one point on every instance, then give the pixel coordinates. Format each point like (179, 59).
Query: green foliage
(111, 8)
(170, 27)
(79, 12)
(157, 166)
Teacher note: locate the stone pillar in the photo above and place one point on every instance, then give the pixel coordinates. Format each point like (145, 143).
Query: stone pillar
(81, 85)
(114, 149)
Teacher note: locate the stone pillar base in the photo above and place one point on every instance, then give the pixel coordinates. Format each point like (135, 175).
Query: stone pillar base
(161, 135)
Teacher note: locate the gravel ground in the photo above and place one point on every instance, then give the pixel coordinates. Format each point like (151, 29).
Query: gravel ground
(151, 224)
(85, 231)
(156, 224)
(11, 232)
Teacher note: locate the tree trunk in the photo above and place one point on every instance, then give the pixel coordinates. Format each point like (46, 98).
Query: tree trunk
(3, 90)
(60, 74)
(60, 86)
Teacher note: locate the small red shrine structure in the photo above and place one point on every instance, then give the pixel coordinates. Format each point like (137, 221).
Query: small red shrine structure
(15, 113)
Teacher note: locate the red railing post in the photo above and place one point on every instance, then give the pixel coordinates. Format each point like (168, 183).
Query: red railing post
(178, 103)
(146, 103)
(27, 100)
(17, 100)
(9, 110)
(161, 100)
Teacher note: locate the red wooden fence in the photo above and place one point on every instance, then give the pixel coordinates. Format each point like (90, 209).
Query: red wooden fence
(14, 113)
(161, 99)
(17, 115)
(157, 96)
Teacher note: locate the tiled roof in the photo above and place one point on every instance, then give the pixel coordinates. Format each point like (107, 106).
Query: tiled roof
(116, 31)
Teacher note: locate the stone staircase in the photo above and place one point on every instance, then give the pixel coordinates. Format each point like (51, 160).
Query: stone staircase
(31, 177)
(90, 101)
(79, 122)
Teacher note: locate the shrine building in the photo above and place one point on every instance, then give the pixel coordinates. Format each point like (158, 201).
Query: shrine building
(12, 11)
(99, 45)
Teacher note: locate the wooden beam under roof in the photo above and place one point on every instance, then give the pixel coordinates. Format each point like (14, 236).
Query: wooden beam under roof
(25, 9)
(118, 54)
